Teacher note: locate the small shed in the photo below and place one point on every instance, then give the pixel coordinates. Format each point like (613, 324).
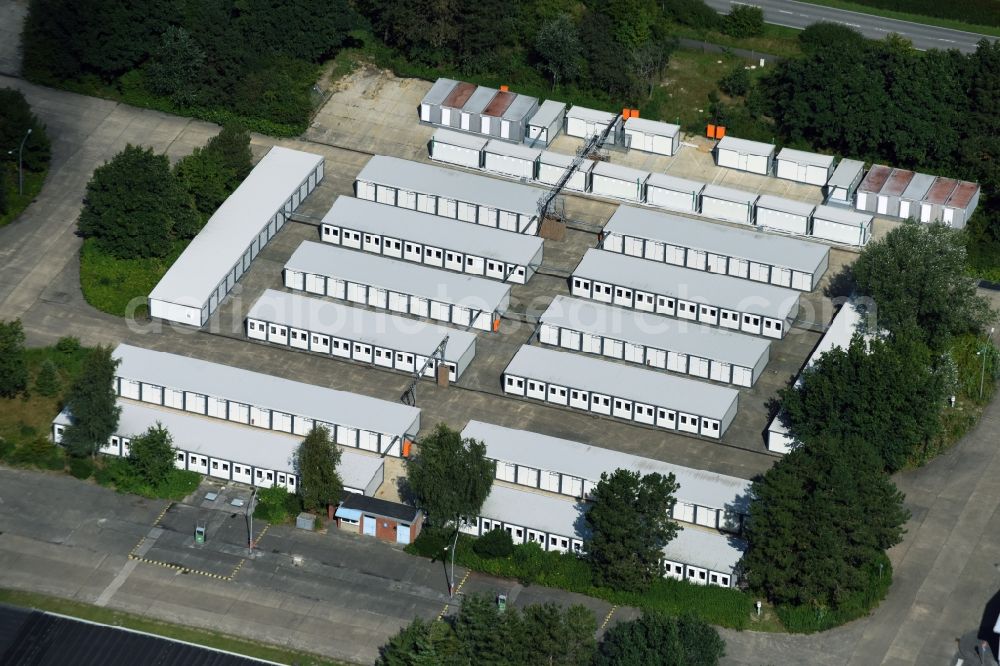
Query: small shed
(471, 116)
(844, 182)
(961, 205)
(842, 226)
(451, 107)
(888, 198)
(870, 187)
(490, 118)
(803, 167)
(783, 214)
(546, 123)
(514, 121)
(511, 159)
(552, 166)
(726, 203)
(430, 106)
(585, 123)
(674, 193)
(457, 148)
(653, 136)
(744, 155)
(915, 193)
(382, 519)
(620, 182)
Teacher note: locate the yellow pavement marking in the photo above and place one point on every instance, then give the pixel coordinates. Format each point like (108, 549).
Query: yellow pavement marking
(607, 618)
(444, 610)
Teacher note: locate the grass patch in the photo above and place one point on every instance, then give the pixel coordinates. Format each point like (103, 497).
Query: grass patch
(960, 9)
(683, 96)
(531, 565)
(211, 639)
(777, 40)
(16, 203)
(110, 284)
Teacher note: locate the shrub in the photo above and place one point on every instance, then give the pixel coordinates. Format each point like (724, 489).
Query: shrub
(38, 452)
(431, 542)
(68, 345)
(47, 381)
(120, 474)
(694, 13)
(744, 21)
(81, 468)
(272, 505)
(6, 448)
(736, 83)
(495, 543)
(817, 617)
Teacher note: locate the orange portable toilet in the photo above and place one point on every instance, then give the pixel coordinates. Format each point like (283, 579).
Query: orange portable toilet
(710, 133)
(407, 445)
(504, 88)
(496, 324)
(720, 132)
(625, 114)
(635, 113)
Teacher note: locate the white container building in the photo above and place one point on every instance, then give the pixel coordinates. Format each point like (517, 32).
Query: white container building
(918, 192)
(430, 105)
(389, 284)
(471, 116)
(263, 401)
(514, 121)
(803, 167)
(674, 193)
(489, 119)
(842, 226)
(572, 469)
(377, 338)
(511, 159)
(428, 239)
(449, 193)
(717, 300)
(784, 214)
(552, 166)
(624, 392)
(457, 148)
(619, 182)
(960, 205)
(653, 341)
(585, 123)
(843, 184)
(223, 250)
(726, 203)
(716, 248)
(451, 107)
(545, 124)
(744, 155)
(230, 452)
(653, 136)
(865, 199)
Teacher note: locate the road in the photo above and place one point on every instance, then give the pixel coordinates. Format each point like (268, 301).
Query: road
(801, 14)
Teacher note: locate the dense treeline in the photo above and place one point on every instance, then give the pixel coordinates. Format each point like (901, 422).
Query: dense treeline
(252, 58)
(16, 119)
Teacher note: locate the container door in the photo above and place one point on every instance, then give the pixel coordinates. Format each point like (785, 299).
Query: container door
(403, 534)
(504, 129)
(369, 525)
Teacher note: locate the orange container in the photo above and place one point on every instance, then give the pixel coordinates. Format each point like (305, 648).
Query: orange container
(635, 113)
(504, 88)
(710, 132)
(407, 444)
(626, 113)
(720, 132)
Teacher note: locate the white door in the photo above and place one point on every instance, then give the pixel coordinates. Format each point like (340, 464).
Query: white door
(504, 129)
(883, 205)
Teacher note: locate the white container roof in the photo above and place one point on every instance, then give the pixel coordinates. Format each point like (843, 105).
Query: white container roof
(452, 184)
(206, 261)
(586, 461)
(802, 157)
(783, 205)
(520, 108)
(255, 388)
(647, 126)
(657, 331)
(216, 438)
(549, 111)
(565, 161)
(620, 172)
(703, 548)
(638, 384)
(842, 216)
(722, 291)
(746, 146)
(357, 324)
(748, 244)
(591, 115)
(675, 184)
(846, 174)
(480, 100)
(439, 91)
(729, 194)
(443, 232)
(400, 276)
(918, 187)
(460, 139)
(509, 149)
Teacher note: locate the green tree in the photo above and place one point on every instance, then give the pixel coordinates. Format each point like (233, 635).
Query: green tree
(487, 636)
(316, 462)
(825, 35)
(92, 402)
(16, 119)
(13, 366)
(412, 646)
(320, 29)
(175, 70)
(450, 477)
(694, 13)
(916, 276)
(838, 488)
(47, 381)
(559, 50)
(736, 83)
(883, 391)
(151, 455)
(558, 637)
(630, 525)
(657, 638)
(744, 21)
(212, 173)
(4, 204)
(232, 148)
(134, 207)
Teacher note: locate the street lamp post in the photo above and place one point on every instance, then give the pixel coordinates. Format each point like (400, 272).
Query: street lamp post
(982, 373)
(253, 496)
(20, 170)
(451, 579)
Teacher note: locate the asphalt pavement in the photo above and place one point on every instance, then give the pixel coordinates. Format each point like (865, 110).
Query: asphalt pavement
(801, 14)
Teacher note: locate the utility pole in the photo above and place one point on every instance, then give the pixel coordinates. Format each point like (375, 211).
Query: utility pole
(20, 170)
